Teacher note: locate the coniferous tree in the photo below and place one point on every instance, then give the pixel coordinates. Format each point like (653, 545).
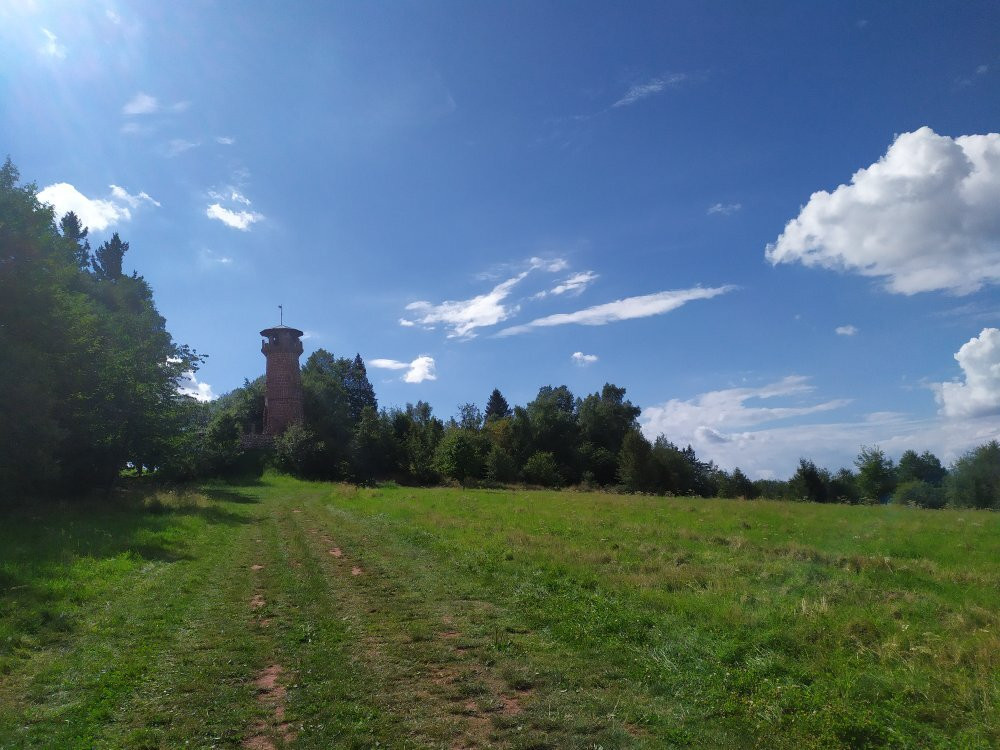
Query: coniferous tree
(76, 235)
(108, 258)
(809, 482)
(360, 394)
(496, 406)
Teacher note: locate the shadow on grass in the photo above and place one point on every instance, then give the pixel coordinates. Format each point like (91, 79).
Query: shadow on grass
(229, 495)
(56, 555)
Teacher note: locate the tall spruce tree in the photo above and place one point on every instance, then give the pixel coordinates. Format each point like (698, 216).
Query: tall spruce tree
(496, 406)
(108, 258)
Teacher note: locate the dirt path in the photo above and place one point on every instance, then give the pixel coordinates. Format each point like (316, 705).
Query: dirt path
(440, 689)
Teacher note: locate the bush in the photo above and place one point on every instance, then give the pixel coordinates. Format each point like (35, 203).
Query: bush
(457, 456)
(500, 465)
(918, 493)
(541, 469)
(297, 451)
(974, 480)
(224, 454)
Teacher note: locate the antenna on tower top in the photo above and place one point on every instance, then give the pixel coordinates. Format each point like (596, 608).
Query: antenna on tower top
(281, 315)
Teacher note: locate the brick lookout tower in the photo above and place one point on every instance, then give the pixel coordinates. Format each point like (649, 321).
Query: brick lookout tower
(282, 346)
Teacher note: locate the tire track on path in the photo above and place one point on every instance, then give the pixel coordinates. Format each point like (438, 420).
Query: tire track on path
(441, 691)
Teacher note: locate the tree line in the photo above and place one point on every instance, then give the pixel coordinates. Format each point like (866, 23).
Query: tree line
(89, 393)
(555, 440)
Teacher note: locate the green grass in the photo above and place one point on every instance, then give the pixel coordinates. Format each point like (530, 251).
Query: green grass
(476, 618)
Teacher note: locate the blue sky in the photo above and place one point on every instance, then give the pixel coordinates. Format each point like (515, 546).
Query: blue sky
(776, 224)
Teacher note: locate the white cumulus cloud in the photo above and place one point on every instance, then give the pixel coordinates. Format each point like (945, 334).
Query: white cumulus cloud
(581, 359)
(979, 395)
(189, 385)
(417, 371)
(629, 308)
(95, 213)
(923, 217)
(236, 219)
(846, 330)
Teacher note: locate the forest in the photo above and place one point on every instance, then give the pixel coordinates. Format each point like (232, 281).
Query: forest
(89, 376)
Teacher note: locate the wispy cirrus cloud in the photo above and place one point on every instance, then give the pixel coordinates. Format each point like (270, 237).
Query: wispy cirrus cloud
(728, 408)
(51, 47)
(714, 421)
(462, 317)
(571, 286)
(177, 146)
(630, 308)
(724, 209)
(211, 259)
(639, 91)
(417, 371)
(134, 201)
(146, 104)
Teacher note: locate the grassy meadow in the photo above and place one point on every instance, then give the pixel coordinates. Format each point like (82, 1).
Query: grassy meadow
(308, 615)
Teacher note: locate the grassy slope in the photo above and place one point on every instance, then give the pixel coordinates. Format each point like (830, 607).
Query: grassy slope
(451, 618)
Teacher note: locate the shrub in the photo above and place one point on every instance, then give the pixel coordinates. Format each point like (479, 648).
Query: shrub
(457, 456)
(500, 465)
(920, 494)
(297, 451)
(974, 480)
(541, 469)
